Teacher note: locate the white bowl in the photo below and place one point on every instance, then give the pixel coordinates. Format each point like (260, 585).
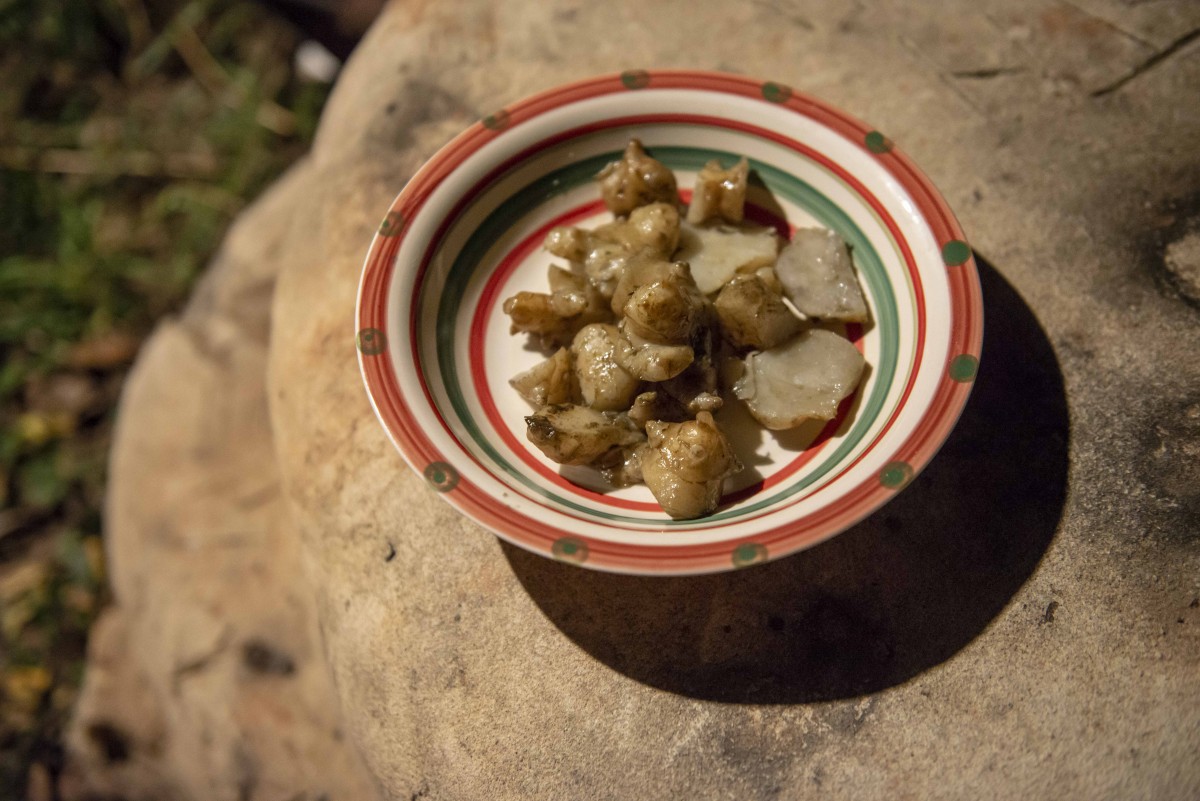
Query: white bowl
(466, 233)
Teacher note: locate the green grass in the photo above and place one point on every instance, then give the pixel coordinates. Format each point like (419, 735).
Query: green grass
(131, 134)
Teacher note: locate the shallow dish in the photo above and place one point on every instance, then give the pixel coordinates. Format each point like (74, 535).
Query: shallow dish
(466, 233)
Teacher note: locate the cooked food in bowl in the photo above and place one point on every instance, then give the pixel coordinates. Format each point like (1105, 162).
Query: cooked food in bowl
(668, 312)
(511, 210)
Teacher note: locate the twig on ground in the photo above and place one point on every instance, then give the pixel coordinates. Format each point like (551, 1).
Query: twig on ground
(137, 20)
(212, 76)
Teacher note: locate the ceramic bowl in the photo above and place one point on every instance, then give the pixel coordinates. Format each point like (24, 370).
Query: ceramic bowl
(465, 233)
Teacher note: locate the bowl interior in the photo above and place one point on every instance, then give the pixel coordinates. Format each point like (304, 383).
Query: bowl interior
(469, 234)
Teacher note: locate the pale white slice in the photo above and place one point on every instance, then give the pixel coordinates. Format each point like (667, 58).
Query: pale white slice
(818, 276)
(717, 253)
(803, 379)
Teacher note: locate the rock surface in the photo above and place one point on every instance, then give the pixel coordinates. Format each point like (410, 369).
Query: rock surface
(207, 680)
(1022, 622)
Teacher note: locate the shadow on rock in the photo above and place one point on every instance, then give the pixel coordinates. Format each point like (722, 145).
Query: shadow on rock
(893, 596)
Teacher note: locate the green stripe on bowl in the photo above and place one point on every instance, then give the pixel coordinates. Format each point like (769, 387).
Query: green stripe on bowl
(798, 192)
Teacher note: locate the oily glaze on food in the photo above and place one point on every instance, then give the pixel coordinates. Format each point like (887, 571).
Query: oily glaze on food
(651, 304)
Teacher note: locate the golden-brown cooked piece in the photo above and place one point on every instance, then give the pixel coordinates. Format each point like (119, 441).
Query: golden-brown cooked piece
(537, 313)
(666, 312)
(653, 228)
(655, 405)
(557, 316)
(685, 464)
(659, 300)
(574, 434)
(636, 180)
(663, 313)
(719, 192)
(650, 361)
(603, 383)
(752, 315)
(624, 468)
(601, 253)
(550, 382)
(696, 389)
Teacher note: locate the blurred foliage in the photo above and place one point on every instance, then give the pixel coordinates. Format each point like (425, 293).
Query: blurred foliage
(131, 133)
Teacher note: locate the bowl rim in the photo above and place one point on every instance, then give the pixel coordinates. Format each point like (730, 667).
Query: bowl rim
(931, 431)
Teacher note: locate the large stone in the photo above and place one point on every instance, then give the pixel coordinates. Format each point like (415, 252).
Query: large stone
(1021, 622)
(207, 678)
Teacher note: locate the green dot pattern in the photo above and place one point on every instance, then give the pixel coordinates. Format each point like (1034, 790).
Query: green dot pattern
(496, 122)
(392, 224)
(635, 79)
(776, 92)
(895, 475)
(441, 476)
(569, 549)
(877, 142)
(963, 368)
(955, 252)
(749, 553)
(370, 342)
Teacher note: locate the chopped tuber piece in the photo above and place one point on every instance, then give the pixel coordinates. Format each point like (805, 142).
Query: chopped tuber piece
(572, 434)
(685, 464)
(754, 316)
(636, 180)
(604, 384)
(720, 192)
(548, 383)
